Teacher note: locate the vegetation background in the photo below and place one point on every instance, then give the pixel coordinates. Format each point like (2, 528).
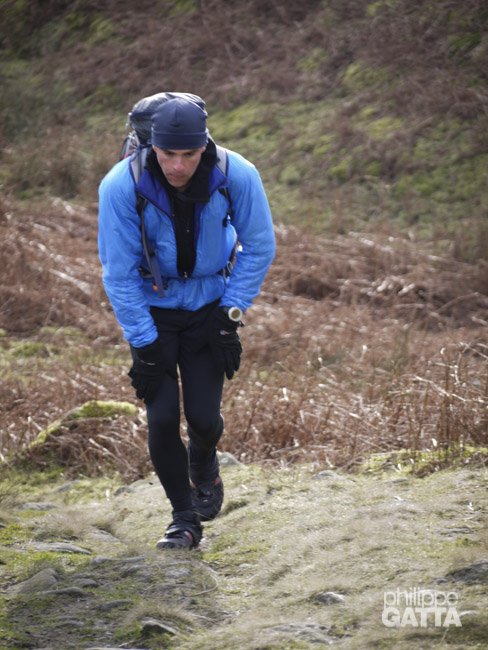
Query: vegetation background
(367, 348)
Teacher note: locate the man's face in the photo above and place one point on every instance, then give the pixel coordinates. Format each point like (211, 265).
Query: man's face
(178, 165)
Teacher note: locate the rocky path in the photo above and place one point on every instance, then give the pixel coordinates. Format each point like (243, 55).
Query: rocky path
(299, 558)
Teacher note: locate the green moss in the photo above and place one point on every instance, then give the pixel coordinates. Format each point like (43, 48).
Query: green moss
(377, 7)
(101, 409)
(464, 43)
(29, 349)
(414, 462)
(51, 332)
(10, 633)
(26, 481)
(447, 183)
(101, 29)
(240, 122)
(373, 168)
(290, 175)
(104, 96)
(181, 7)
(382, 128)
(313, 60)
(343, 170)
(323, 144)
(13, 533)
(359, 77)
(91, 409)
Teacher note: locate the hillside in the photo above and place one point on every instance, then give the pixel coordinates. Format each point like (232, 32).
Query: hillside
(360, 115)
(359, 413)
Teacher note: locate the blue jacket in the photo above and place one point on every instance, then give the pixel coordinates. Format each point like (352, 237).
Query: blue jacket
(121, 250)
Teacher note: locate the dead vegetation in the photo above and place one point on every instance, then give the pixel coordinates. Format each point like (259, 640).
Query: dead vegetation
(356, 345)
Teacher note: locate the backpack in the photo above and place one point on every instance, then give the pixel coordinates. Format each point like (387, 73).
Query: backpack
(136, 146)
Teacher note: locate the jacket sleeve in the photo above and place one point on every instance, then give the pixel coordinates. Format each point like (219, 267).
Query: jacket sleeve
(253, 223)
(120, 249)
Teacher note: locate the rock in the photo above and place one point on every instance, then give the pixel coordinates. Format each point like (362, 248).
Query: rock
(103, 536)
(177, 573)
(134, 558)
(65, 591)
(61, 547)
(152, 625)
(228, 460)
(477, 572)
(41, 581)
(313, 632)
(143, 484)
(329, 598)
(71, 621)
(66, 487)
(124, 489)
(86, 582)
(37, 506)
(460, 530)
(328, 473)
(131, 570)
(113, 604)
(100, 559)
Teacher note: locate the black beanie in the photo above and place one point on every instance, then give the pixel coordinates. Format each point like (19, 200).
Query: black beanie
(179, 123)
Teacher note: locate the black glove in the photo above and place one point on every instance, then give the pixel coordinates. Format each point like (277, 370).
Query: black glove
(224, 343)
(149, 367)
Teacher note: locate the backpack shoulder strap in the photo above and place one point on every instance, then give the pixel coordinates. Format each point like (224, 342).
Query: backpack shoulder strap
(222, 164)
(138, 162)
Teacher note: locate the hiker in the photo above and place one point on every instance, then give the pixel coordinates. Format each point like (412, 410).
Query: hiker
(209, 233)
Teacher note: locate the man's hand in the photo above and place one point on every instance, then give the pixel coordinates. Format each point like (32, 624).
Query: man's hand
(224, 343)
(148, 369)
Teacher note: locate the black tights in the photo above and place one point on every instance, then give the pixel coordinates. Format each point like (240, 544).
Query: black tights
(183, 334)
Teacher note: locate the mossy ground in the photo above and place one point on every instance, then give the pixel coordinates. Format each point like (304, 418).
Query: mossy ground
(375, 166)
(285, 536)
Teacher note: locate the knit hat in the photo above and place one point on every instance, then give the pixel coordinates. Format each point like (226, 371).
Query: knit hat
(179, 123)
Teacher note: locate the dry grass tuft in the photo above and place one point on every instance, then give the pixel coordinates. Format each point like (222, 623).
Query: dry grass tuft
(93, 447)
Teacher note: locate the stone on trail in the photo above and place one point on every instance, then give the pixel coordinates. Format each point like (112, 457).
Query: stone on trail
(61, 547)
(329, 598)
(45, 579)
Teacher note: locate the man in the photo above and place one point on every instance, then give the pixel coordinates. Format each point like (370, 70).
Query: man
(192, 324)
